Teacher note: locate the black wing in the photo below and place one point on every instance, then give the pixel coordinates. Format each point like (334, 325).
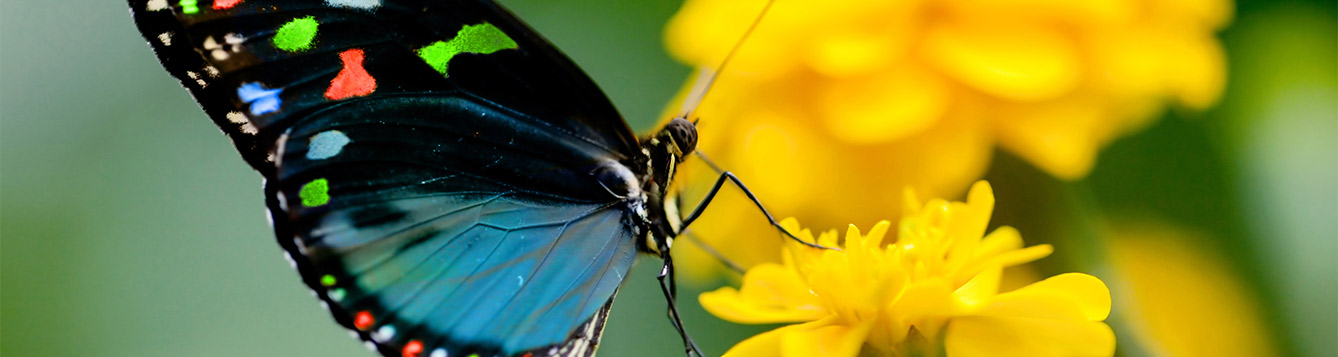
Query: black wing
(428, 164)
(215, 53)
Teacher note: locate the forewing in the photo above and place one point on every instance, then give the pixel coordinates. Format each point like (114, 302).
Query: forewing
(257, 66)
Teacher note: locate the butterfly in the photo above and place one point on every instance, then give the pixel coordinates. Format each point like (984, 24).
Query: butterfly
(445, 180)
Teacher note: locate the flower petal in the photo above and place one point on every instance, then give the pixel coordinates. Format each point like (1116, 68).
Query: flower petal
(878, 233)
(1011, 61)
(886, 107)
(1078, 13)
(1061, 136)
(831, 340)
(980, 290)
(1023, 256)
(1001, 240)
(769, 343)
(969, 221)
(1199, 77)
(770, 294)
(1181, 298)
(847, 52)
(925, 298)
(703, 31)
(1003, 336)
(1064, 296)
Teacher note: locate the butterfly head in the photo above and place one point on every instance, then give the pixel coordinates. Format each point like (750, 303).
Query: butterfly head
(682, 134)
(666, 149)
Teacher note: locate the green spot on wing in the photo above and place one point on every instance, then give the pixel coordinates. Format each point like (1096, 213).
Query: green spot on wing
(296, 35)
(483, 38)
(328, 280)
(315, 193)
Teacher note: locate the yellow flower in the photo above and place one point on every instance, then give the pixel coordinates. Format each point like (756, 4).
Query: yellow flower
(1180, 298)
(940, 276)
(924, 90)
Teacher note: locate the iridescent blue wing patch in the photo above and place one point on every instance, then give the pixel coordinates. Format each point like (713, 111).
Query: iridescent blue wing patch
(494, 273)
(450, 235)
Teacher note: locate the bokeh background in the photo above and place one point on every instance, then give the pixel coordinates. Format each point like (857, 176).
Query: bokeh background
(129, 227)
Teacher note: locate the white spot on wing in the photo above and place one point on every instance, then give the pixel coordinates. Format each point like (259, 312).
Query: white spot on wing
(383, 334)
(278, 153)
(361, 4)
(237, 118)
(233, 38)
(269, 216)
(283, 203)
(221, 52)
(165, 38)
(155, 5)
(326, 145)
(214, 48)
(438, 353)
(198, 79)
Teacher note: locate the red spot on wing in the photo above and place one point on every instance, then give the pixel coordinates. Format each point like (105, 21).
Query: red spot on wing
(225, 4)
(412, 349)
(363, 320)
(353, 80)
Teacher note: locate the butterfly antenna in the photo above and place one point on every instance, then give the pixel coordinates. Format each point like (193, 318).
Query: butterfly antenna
(735, 267)
(706, 77)
(708, 162)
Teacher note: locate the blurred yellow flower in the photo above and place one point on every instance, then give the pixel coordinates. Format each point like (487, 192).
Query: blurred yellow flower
(1180, 299)
(918, 93)
(941, 276)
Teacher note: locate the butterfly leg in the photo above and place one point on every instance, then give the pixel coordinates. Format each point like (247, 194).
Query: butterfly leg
(727, 176)
(670, 290)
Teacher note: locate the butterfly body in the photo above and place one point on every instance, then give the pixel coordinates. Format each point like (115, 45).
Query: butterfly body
(445, 180)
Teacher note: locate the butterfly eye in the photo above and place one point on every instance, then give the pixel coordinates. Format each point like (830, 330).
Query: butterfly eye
(684, 134)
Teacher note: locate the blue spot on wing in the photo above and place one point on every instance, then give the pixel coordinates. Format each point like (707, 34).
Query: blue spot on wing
(263, 100)
(481, 272)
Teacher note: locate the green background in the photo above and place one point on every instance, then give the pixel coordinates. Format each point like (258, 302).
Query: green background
(129, 226)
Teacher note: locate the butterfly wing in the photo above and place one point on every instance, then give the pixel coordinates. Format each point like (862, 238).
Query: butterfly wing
(411, 250)
(256, 65)
(428, 165)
